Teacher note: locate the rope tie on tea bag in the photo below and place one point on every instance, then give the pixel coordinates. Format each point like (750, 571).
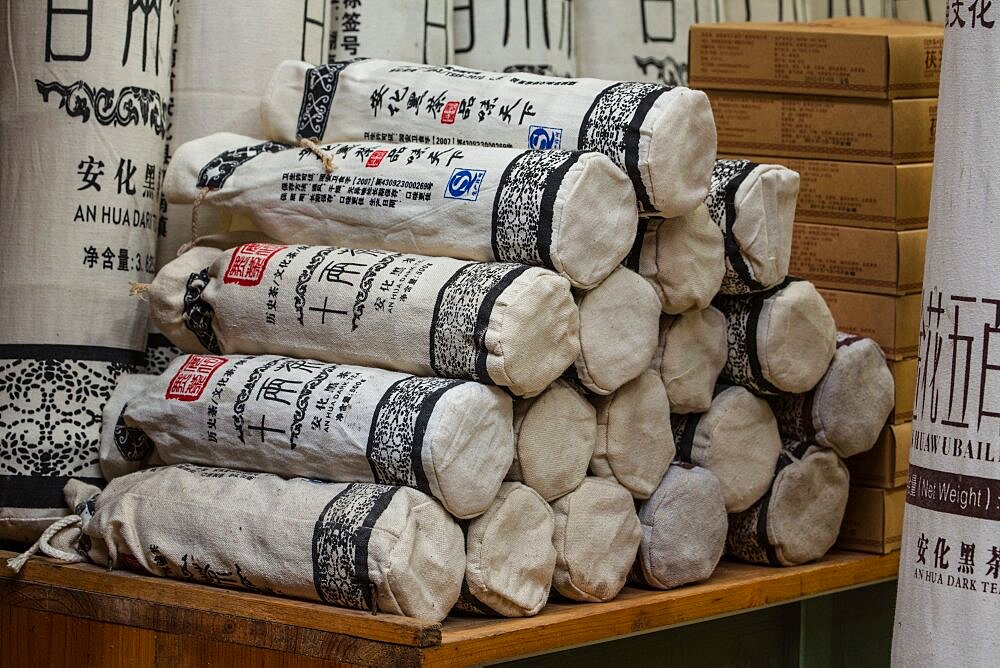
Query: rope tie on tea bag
(140, 290)
(42, 545)
(198, 201)
(314, 148)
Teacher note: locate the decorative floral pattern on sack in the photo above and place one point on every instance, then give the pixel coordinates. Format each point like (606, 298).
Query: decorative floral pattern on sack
(794, 415)
(133, 444)
(317, 100)
(727, 176)
(739, 368)
(723, 173)
(522, 218)
(50, 415)
(743, 539)
(159, 356)
(132, 106)
(396, 437)
(213, 472)
(218, 170)
(461, 316)
(340, 545)
(198, 314)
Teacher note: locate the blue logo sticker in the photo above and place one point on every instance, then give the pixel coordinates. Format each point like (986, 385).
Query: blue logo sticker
(465, 184)
(541, 137)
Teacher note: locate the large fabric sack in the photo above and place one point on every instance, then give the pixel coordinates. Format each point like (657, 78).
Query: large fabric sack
(536, 36)
(509, 555)
(689, 358)
(664, 138)
(737, 440)
(848, 408)
(596, 537)
(780, 341)
(505, 324)
(683, 529)
(619, 323)
(634, 441)
(555, 434)
(419, 32)
(84, 91)
(293, 417)
(799, 518)
(754, 206)
(683, 259)
(569, 211)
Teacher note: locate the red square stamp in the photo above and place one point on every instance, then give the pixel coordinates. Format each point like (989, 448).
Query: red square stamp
(247, 265)
(375, 159)
(193, 376)
(449, 113)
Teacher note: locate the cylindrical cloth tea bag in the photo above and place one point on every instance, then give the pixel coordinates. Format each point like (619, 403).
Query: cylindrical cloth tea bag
(505, 324)
(84, 93)
(573, 212)
(554, 434)
(848, 408)
(535, 36)
(509, 555)
(293, 417)
(737, 440)
(420, 32)
(353, 545)
(683, 258)
(619, 323)
(754, 206)
(662, 137)
(799, 518)
(683, 529)
(780, 341)
(634, 441)
(689, 358)
(126, 449)
(596, 537)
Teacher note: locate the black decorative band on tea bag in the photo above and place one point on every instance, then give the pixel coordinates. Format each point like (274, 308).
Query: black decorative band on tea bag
(133, 444)
(218, 170)
(317, 100)
(727, 177)
(684, 428)
(198, 314)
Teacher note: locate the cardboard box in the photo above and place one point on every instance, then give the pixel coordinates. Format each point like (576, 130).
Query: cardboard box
(873, 521)
(859, 194)
(885, 465)
(893, 322)
(851, 57)
(825, 128)
(904, 375)
(851, 258)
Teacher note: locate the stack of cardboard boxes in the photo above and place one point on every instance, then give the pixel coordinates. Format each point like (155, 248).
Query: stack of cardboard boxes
(851, 105)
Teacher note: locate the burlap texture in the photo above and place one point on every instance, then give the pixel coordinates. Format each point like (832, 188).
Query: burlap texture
(596, 537)
(689, 358)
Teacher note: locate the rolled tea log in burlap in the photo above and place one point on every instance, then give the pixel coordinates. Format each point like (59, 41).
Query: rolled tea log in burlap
(848, 408)
(506, 324)
(509, 555)
(683, 258)
(635, 444)
(572, 212)
(449, 438)
(780, 341)
(554, 436)
(353, 545)
(618, 331)
(754, 206)
(663, 138)
(690, 357)
(683, 529)
(736, 439)
(799, 518)
(596, 537)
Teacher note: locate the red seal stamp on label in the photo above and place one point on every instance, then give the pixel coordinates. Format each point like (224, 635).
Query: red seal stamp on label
(193, 376)
(248, 263)
(375, 159)
(449, 113)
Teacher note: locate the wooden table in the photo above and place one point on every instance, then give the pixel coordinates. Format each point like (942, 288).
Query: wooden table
(50, 613)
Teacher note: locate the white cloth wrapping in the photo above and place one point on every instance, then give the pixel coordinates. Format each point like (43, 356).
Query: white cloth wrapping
(569, 211)
(780, 341)
(596, 537)
(500, 323)
(352, 545)
(737, 440)
(689, 358)
(663, 138)
(683, 529)
(634, 441)
(292, 417)
(555, 434)
(419, 31)
(848, 408)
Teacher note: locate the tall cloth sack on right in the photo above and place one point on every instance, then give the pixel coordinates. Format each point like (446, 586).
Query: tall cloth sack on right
(664, 138)
(947, 537)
